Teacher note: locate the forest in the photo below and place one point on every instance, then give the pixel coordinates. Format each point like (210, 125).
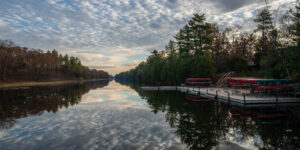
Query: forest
(202, 49)
(24, 64)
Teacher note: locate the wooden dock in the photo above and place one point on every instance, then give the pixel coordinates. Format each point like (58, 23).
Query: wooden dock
(227, 95)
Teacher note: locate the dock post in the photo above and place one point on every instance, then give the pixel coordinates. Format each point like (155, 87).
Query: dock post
(216, 94)
(228, 96)
(295, 91)
(244, 98)
(277, 98)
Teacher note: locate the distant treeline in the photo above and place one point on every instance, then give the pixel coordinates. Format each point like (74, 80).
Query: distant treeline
(21, 63)
(201, 49)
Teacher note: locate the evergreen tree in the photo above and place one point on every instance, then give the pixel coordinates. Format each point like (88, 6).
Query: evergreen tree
(203, 34)
(187, 41)
(265, 27)
(180, 41)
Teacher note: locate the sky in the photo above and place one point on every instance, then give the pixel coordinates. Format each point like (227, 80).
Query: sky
(115, 35)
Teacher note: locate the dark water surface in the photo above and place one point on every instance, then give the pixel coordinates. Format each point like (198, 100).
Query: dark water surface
(103, 115)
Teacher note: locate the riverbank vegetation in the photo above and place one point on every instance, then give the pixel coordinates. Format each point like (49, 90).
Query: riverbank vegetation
(24, 64)
(202, 49)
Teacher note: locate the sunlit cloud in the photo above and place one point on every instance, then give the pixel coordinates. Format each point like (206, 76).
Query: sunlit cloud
(114, 93)
(91, 99)
(114, 69)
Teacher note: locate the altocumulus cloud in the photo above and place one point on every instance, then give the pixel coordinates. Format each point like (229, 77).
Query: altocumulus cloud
(118, 32)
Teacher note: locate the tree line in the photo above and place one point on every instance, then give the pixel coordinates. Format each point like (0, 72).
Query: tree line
(202, 49)
(21, 63)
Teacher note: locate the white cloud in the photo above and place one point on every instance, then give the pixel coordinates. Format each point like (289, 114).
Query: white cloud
(39, 19)
(2, 23)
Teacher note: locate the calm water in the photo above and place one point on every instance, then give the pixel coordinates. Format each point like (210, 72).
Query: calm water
(103, 115)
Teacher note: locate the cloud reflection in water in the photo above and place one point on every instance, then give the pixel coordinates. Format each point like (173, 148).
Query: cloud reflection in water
(106, 118)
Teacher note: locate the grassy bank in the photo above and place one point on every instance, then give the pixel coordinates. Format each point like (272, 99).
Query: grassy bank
(42, 83)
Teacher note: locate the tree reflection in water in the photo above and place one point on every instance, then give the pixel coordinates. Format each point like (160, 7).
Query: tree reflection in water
(207, 124)
(21, 103)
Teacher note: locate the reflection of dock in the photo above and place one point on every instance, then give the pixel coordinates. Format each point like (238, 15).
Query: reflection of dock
(159, 88)
(227, 95)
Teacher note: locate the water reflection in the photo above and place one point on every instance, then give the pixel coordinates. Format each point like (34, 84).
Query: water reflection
(205, 124)
(113, 117)
(24, 102)
(119, 117)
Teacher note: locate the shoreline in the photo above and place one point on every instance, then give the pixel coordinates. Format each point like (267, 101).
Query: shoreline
(42, 83)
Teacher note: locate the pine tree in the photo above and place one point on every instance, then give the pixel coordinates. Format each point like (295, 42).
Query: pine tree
(179, 40)
(187, 43)
(265, 27)
(202, 34)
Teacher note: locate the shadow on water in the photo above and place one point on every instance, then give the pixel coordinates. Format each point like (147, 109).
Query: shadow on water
(207, 124)
(21, 103)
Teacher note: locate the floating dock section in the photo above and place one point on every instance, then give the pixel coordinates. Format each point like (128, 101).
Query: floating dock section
(228, 95)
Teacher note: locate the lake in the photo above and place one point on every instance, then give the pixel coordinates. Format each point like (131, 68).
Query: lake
(109, 115)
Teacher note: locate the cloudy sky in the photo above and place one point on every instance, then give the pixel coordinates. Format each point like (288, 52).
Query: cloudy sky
(115, 35)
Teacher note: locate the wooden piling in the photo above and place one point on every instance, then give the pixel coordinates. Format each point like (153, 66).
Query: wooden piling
(277, 98)
(295, 90)
(216, 96)
(228, 96)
